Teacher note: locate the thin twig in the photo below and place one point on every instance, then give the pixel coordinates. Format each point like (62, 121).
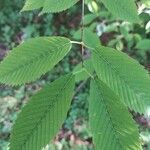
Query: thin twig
(76, 42)
(82, 31)
(81, 85)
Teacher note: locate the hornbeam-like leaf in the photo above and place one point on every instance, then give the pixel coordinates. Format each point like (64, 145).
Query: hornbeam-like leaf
(32, 59)
(33, 4)
(124, 9)
(49, 5)
(110, 122)
(42, 117)
(57, 5)
(123, 75)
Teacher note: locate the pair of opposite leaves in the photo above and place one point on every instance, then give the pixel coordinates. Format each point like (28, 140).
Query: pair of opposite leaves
(122, 9)
(43, 116)
(37, 56)
(19, 77)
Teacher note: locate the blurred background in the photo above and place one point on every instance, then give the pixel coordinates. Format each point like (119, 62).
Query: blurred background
(15, 27)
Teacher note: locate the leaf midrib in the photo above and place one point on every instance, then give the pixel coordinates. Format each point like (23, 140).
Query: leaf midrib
(121, 77)
(46, 111)
(110, 118)
(42, 56)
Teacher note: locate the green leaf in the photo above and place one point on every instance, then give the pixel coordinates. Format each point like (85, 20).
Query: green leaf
(146, 2)
(143, 45)
(49, 5)
(33, 58)
(83, 72)
(111, 124)
(43, 116)
(89, 18)
(123, 9)
(33, 4)
(57, 6)
(123, 75)
(80, 73)
(90, 38)
(93, 7)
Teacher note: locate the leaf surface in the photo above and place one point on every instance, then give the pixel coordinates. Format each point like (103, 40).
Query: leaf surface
(32, 4)
(111, 124)
(83, 72)
(57, 5)
(49, 6)
(90, 39)
(43, 116)
(123, 9)
(125, 76)
(33, 58)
